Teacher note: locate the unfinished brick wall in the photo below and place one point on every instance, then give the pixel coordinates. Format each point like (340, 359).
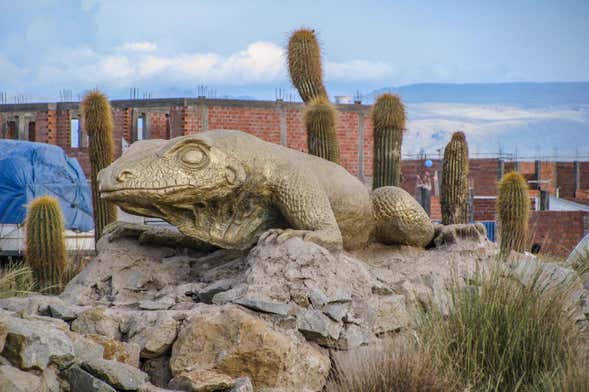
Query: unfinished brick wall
(277, 122)
(558, 232)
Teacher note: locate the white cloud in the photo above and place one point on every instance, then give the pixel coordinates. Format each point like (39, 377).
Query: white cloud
(140, 46)
(142, 62)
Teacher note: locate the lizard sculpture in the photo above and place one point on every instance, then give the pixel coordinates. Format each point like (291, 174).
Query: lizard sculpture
(231, 189)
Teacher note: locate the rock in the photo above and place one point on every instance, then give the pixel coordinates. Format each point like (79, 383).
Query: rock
(206, 294)
(96, 322)
(81, 380)
(85, 349)
(117, 374)
(31, 304)
(154, 333)
(149, 387)
(336, 311)
(242, 384)
(33, 345)
(280, 308)
(63, 312)
(49, 380)
(162, 304)
(391, 314)
(233, 342)
(118, 351)
(158, 370)
(317, 297)
(315, 326)
(579, 257)
(228, 296)
(201, 381)
(15, 380)
(354, 336)
(125, 271)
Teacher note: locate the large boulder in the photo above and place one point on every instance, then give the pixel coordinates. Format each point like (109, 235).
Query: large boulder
(33, 344)
(234, 342)
(15, 380)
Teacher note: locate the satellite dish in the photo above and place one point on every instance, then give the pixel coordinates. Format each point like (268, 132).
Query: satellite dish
(429, 163)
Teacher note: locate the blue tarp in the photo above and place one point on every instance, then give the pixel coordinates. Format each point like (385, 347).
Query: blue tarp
(29, 170)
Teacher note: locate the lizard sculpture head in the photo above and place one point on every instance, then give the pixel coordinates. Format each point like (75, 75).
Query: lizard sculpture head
(155, 176)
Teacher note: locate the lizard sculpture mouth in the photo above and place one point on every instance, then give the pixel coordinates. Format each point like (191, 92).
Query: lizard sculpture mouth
(116, 194)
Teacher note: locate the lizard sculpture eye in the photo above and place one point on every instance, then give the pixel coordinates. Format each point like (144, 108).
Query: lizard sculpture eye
(193, 156)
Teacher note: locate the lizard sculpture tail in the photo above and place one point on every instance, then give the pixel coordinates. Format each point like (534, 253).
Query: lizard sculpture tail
(399, 219)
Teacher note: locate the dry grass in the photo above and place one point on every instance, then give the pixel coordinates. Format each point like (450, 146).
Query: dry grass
(501, 335)
(387, 369)
(16, 280)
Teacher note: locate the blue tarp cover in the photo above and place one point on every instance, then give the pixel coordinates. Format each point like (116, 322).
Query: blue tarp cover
(29, 170)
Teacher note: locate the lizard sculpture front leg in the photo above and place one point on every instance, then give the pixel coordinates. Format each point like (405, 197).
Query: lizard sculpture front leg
(306, 208)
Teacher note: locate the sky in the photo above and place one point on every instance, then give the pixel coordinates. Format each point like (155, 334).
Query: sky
(236, 48)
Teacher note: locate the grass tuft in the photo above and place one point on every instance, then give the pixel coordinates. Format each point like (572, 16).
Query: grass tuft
(16, 280)
(502, 335)
(393, 368)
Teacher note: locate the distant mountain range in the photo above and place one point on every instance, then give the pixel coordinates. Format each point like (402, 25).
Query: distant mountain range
(532, 120)
(520, 94)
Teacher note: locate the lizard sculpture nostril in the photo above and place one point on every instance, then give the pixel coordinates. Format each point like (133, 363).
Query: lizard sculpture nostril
(125, 175)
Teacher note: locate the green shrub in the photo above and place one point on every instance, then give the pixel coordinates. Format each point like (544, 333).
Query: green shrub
(501, 335)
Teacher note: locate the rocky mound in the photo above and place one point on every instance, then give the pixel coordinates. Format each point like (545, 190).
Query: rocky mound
(146, 317)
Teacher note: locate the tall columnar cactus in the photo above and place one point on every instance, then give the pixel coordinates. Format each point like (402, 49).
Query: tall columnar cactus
(388, 121)
(320, 118)
(304, 64)
(45, 251)
(99, 125)
(513, 210)
(454, 189)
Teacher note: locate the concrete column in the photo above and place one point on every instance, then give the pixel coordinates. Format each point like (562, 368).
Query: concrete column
(204, 114)
(500, 169)
(544, 201)
(21, 130)
(283, 134)
(424, 198)
(577, 168)
(538, 171)
(361, 146)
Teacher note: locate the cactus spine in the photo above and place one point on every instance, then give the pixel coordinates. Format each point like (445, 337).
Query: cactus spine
(45, 243)
(513, 210)
(304, 64)
(454, 189)
(320, 124)
(99, 125)
(388, 120)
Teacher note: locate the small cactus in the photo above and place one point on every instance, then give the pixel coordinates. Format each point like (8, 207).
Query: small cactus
(320, 117)
(99, 125)
(304, 64)
(454, 187)
(45, 250)
(388, 121)
(513, 210)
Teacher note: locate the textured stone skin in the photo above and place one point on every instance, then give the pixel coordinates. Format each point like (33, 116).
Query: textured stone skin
(229, 189)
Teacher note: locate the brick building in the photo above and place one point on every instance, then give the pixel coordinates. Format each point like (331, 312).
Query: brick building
(282, 122)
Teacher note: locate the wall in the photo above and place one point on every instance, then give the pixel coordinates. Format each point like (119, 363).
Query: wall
(558, 232)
